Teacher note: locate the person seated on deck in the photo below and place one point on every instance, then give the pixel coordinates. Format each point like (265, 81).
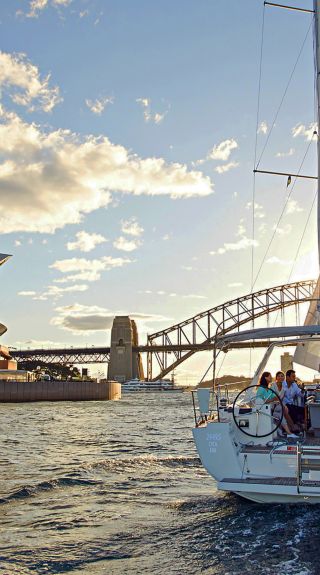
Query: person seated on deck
(293, 393)
(266, 394)
(279, 388)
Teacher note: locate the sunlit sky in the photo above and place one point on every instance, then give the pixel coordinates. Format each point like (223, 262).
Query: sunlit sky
(127, 147)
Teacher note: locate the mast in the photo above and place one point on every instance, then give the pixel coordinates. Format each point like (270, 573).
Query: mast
(316, 5)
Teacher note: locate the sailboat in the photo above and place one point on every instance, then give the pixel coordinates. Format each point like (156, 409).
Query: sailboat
(238, 438)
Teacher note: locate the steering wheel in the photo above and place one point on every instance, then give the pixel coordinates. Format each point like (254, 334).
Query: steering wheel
(251, 402)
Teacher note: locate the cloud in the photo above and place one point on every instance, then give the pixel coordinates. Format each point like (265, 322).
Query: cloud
(37, 6)
(285, 231)
(223, 150)
(155, 118)
(86, 242)
(226, 167)
(258, 210)
(97, 106)
(87, 270)
(57, 177)
(308, 132)
(263, 128)
(126, 245)
(186, 296)
(235, 284)
(285, 154)
(293, 207)
(278, 261)
(131, 227)
(220, 152)
(26, 88)
(56, 292)
(241, 244)
(27, 293)
(79, 318)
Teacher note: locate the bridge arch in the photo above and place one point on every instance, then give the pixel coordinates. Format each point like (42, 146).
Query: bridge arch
(208, 326)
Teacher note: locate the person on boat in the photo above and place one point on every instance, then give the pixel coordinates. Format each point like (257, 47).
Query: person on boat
(278, 387)
(265, 393)
(292, 394)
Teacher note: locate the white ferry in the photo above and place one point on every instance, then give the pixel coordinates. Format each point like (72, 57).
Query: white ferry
(134, 385)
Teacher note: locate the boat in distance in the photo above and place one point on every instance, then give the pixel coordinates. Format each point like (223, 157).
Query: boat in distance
(137, 385)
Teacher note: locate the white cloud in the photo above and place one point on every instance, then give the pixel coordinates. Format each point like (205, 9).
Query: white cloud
(275, 260)
(131, 227)
(57, 177)
(87, 270)
(285, 154)
(235, 284)
(26, 88)
(226, 167)
(37, 6)
(56, 292)
(308, 132)
(258, 210)
(126, 245)
(97, 106)
(27, 293)
(241, 229)
(241, 244)
(79, 318)
(17, 243)
(194, 296)
(86, 242)
(263, 128)
(156, 117)
(293, 207)
(285, 231)
(223, 150)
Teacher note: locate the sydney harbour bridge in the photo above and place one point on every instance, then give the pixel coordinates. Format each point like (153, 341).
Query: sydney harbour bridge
(169, 348)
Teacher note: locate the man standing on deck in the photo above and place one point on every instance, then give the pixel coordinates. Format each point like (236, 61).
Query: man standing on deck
(292, 394)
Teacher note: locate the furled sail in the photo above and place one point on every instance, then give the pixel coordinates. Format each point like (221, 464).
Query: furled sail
(308, 353)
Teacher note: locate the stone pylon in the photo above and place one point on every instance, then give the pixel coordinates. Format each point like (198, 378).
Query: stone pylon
(125, 364)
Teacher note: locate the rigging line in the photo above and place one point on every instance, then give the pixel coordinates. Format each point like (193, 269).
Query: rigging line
(256, 144)
(221, 364)
(302, 236)
(284, 95)
(299, 246)
(282, 212)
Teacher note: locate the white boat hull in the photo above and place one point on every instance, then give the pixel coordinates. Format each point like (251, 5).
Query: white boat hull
(265, 473)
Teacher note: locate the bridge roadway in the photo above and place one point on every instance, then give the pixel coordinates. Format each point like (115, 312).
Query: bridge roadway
(86, 355)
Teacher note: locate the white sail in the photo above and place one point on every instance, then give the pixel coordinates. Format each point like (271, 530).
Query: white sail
(308, 354)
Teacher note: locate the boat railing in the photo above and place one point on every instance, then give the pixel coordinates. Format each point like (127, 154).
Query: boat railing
(205, 405)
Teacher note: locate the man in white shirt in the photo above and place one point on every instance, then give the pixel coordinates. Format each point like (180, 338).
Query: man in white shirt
(292, 394)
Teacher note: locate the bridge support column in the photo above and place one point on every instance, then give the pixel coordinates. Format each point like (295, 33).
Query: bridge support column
(124, 363)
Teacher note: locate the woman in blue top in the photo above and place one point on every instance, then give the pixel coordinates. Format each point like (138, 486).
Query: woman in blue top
(263, 390)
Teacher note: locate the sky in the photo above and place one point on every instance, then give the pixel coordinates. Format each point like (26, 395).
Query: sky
(128, 135)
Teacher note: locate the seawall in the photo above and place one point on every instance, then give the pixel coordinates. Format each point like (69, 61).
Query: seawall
(23, 391)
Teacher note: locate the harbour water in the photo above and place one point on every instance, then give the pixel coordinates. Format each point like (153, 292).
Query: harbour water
(110, 488)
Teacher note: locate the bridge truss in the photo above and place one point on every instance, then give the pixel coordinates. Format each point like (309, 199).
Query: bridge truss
(208, 326)
(65, 356)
